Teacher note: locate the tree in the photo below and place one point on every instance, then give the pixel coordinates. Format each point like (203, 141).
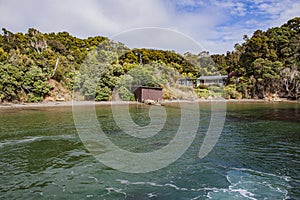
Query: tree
(266, 75)
(10, 81)
(291, 82)
(35, 84)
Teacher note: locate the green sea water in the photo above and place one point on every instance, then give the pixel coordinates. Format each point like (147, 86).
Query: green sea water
(256, 157)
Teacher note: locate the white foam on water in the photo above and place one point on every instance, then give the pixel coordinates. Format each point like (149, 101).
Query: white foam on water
(243, 184)
(244, 193)
(117, 190)
(150, 195)
(153, 184)
(230, 194)
(286, 178)
(123, 181)
(175, 187)
(24, 140)
(252, 184)
(138, 183)
(32, 139)
(170, 185)
(197, 197)
(92, 177)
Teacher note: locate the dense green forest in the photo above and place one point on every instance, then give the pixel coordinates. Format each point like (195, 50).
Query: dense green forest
(266, 64)
(37, 66)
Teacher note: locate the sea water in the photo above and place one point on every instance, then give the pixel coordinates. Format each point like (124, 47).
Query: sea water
(256, 157)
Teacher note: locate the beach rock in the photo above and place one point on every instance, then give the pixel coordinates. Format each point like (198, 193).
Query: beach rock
(150, 102)
(60, 98)
(272, 97)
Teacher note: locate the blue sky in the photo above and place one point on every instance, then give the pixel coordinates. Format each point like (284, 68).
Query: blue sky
(217, 25)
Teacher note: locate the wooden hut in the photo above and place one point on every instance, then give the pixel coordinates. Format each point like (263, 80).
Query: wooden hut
(144, 93)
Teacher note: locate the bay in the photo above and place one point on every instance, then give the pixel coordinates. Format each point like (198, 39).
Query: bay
(256, 157)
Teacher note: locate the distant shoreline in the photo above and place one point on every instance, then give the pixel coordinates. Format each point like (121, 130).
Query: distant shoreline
(106, 103)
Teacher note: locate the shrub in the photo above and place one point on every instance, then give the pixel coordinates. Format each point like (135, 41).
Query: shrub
(125, 94)
(102, 94)
(202, 93)
(216, 89)
(202, 86)
(231, 93)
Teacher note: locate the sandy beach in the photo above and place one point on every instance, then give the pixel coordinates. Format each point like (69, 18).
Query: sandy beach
(62, 104)
(106, 103)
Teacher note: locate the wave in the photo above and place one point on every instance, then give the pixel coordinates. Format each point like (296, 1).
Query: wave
(33, 139)
(251, 184)
(116, 190)
(243, 184)
(24, 140)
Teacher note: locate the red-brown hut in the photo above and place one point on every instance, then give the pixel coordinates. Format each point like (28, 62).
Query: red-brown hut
(144, 93)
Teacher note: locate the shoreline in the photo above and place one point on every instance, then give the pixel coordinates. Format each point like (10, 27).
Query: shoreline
(50, 104)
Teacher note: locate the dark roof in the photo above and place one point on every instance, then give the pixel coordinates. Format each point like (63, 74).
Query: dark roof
(148, 87)
(187, 79)
(212, 77)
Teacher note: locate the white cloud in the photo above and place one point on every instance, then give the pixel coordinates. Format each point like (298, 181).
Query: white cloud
(235, 8)
(293, 11)
(81, 17)
(258, 1)
(191, 3)
(107, 17)
(159, 38)
(210, 23)
(274, 8)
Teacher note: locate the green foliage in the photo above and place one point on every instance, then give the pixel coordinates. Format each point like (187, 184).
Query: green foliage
(231, 92)
(10, 81)
(148, 56)
(203, 62)
(35, 82)
(261, 59)
(18, 83)
(266, 63)
(156, 74)
(142, 77)
(202, 93)
(3, 55)
(125, 94)
(102, 93)
(97, 77)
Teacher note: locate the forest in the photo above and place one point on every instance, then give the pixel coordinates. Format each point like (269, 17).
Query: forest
(265, 64)
(37, 67)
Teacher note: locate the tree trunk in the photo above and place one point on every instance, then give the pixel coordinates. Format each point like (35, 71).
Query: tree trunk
(56, 65)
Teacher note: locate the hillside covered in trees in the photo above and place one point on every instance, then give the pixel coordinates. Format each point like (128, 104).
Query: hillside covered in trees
(37, 66)
(268, 63)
